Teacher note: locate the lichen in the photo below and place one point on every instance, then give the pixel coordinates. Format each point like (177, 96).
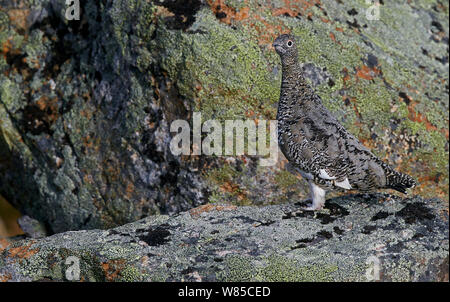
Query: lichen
(274, 268)
(286, 270)
(130, 274)
(242, 73)
(239, 269)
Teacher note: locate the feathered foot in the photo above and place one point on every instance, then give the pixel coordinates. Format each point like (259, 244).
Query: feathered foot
(317, 198)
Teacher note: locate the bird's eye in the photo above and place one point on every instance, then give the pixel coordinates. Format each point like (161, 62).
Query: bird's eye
(289, 43)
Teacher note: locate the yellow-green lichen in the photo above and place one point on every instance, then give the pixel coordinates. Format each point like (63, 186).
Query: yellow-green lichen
(283, 269)
(274, 268)
(130, 274)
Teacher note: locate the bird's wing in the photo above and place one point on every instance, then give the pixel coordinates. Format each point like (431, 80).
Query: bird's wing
(332, 154)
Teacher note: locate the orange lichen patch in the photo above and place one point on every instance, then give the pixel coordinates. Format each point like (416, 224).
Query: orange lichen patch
(113, 268)
(226, 13)
(346, 77)
(4, 243)
(112, 169)
(332, 36)
(285, 11)
(87, 141)
(428, 185)
(435, 178)
(163, 11)
(91, 144)
(294, 8)
(353, 102)
(268, 32)
(18, 18)
(87, 178)
(445, 132)
(50, 106)
(23, 252)
(429, 188)
(129, 190)
(340, 29)
(368, 143)
(420, 118)
(234, 189)
(366, 72)
(7, 49)
(249, 113)
(86, 113)
(430, 182)
(5, 277)
(210, 207)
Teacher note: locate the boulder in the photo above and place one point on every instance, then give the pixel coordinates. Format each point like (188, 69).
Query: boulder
(357, 238)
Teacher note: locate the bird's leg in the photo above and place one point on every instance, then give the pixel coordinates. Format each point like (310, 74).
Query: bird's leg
(317, 197)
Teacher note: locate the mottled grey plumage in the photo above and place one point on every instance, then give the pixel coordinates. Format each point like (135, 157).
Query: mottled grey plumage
(317, 145)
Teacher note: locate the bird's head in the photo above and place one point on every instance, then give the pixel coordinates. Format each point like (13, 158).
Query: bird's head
(285, 46)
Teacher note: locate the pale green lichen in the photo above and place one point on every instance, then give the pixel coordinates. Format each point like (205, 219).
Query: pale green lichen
(286, 270)
(239, 269)
(9, 94)
(400, 272)
(274, 268)
(130, 274)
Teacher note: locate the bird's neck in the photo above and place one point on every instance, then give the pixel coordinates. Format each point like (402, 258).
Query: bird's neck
(295, 90)
(292, 75)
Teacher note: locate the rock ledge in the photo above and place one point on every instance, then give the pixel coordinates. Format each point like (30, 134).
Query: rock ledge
(355, 238)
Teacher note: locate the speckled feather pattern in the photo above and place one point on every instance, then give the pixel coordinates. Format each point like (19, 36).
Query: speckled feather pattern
(314, 141)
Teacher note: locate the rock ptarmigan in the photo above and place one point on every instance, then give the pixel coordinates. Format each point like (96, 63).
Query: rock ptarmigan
(317, 145)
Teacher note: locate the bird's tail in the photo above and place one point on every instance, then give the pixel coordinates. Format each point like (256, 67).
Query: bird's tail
(399, 181)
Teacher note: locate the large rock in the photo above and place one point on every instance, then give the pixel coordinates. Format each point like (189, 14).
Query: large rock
(358, 238)
(85, 106)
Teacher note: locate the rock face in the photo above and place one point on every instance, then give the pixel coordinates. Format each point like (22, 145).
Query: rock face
(86, 106)
(359, 238)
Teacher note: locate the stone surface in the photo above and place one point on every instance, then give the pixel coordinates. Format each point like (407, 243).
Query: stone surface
(357, 238)
(31, 227)
(85, 106)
